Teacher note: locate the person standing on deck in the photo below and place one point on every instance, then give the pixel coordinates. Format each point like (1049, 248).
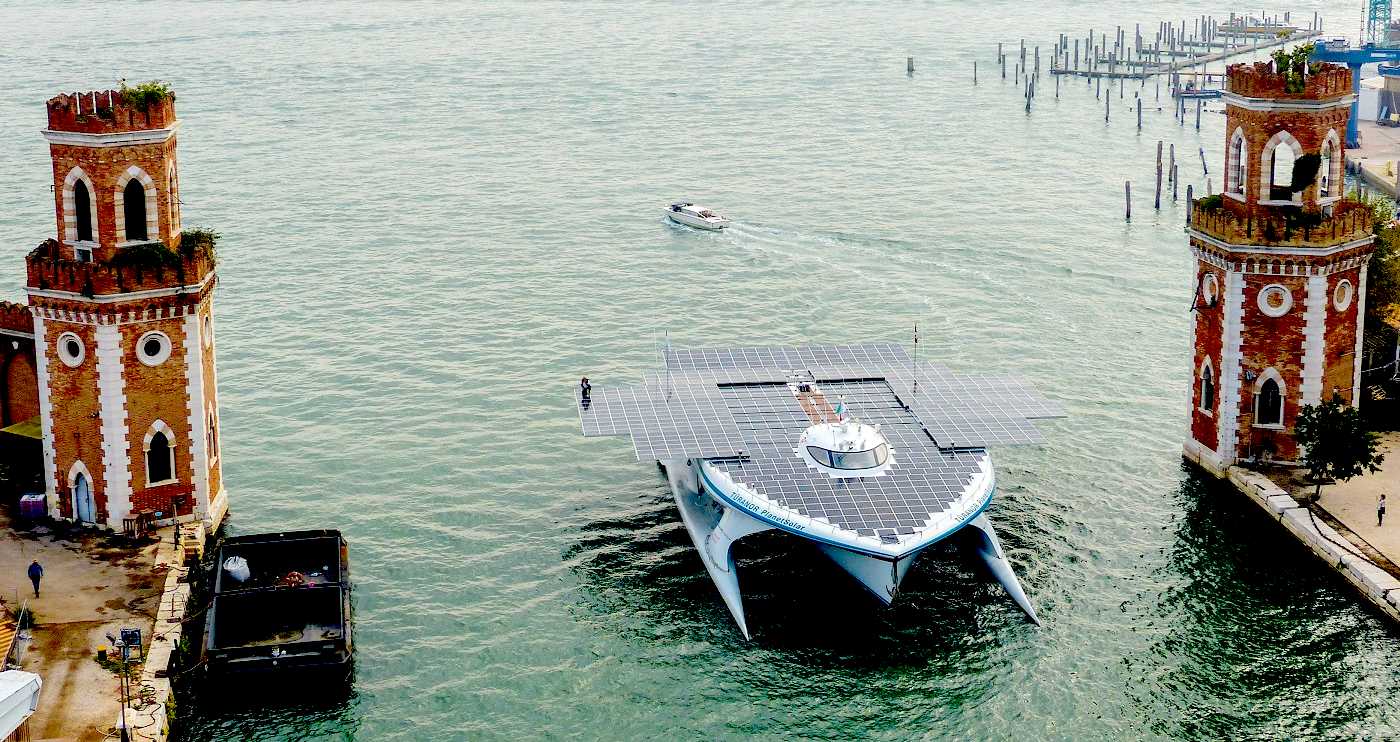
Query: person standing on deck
(1380, 510)
(36, 573)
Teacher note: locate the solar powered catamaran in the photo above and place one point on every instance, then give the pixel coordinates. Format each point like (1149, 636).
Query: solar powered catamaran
(861, 449)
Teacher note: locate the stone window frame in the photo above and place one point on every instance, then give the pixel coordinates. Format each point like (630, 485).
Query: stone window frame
(1237, 166)
(1271, 311)
(1210, 288)
(206, 328)
(70, 212)
(211, 431)
(1207, 374)
(1339, 303)
(79, 468)
(119, 206)
(1270, 374)
(159, 426)
(1335, 176)
(61, 349)
(158, 358)
(1266, 167)
(172, 187)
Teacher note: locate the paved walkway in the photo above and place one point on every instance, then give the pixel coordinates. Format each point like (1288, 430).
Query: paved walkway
(89, 589)
(1354, 503)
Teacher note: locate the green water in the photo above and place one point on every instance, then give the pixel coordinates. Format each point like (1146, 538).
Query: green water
(436, 217)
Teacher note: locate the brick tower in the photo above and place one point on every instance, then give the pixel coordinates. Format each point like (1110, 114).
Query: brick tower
(1280, 278)
(123, 325)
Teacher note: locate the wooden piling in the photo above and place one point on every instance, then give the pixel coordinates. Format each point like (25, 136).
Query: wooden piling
(1204, 170)
(1139, 114)
(1106, 102)
(1128, 199)
(1157, 198)
(974, 72)
(910, 65)
(1198, 114)
(1171, 160)
(1188, 204)
(1176, 182)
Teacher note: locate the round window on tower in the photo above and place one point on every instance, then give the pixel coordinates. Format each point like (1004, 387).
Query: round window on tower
(208, 332)
(70, 349)
(153, 348)
(1341, 296)
(1210, 289)
(1275, 300)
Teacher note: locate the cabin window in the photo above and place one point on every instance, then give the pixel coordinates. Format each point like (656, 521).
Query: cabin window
(134, 209)
(82, 210)
(851, 459)
(1268, 404)
(160, 460)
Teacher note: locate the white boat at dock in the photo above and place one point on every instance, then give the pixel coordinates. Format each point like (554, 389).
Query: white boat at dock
(862, 450)
(694, 215)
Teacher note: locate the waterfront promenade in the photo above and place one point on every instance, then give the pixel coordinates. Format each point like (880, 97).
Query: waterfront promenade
(1353, 503)
(90, 589)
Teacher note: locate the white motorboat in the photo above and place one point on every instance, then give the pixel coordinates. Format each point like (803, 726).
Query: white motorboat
(694, 215)
(862, 450)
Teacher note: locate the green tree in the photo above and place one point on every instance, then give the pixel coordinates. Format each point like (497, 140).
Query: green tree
(1336, 445)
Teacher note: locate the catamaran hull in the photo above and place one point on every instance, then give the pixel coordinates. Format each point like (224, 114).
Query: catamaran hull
(714, 525)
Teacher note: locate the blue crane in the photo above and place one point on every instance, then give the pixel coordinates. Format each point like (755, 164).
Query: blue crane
(1377, 17)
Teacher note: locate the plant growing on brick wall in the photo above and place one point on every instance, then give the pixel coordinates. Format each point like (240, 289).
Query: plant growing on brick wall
(146, 94)
(145, 255)
(1335, 442)
(1210, 203)
(1291, 64)
(200, 242)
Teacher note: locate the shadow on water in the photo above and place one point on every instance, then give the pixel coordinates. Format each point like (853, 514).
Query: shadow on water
(1249, 623)
(322, 711)
(642, 579)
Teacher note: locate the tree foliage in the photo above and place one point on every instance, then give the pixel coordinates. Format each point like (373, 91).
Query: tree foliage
(1336, 444)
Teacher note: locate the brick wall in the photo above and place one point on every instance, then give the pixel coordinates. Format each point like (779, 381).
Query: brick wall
(1209, 330)
(76, 425)
(105, 167)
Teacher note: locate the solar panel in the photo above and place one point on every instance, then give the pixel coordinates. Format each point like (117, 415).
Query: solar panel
(677, 412)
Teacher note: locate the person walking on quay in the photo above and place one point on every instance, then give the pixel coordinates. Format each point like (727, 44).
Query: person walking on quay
(36, 573)
(1380, 510)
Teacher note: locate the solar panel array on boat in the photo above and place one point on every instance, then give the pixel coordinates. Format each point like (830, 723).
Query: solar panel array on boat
(734, 407)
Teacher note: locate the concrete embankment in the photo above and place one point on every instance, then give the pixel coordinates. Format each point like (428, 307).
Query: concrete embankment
(1331, 541)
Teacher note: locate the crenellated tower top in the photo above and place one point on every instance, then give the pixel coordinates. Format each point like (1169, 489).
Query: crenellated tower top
(1284, 136)
(110, 112)
(115, 180)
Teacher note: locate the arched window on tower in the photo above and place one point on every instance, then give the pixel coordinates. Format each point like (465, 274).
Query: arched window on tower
(213, 442)
(1207, 389)
(82, 210)
(1268, 404)
(1239, 155)
(1324, 172)
(1280, 160)
(160, 460)
(134, 209)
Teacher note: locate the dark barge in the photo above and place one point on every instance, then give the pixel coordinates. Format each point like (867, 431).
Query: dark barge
(281, 606)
